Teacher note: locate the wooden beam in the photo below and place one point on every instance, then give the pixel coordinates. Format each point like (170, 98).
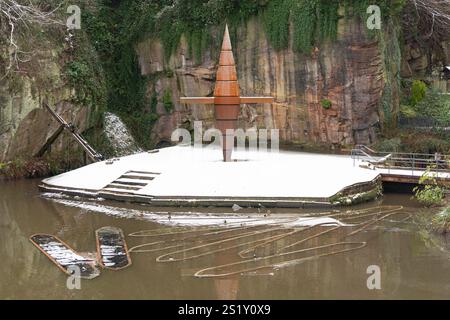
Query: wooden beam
(257, 99)
(198, 100)
(49, 142)
(94, 155)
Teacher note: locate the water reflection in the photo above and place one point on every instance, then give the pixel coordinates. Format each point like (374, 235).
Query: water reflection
(409, 268)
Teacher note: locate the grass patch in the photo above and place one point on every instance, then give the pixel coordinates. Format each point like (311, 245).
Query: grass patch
(441, 222)
(326, 104)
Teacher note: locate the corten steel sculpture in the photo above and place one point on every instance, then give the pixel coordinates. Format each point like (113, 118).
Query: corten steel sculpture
(227, 100)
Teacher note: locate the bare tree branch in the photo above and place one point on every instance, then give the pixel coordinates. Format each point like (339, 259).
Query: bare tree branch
(430, 17)
(16, 16)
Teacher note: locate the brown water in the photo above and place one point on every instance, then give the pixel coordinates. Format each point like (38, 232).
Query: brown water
(412, 264)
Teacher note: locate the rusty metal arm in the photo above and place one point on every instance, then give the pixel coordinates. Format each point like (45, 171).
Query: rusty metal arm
(257, 99)
(198, 100)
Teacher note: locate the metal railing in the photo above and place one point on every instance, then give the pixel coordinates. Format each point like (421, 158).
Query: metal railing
(402, 160)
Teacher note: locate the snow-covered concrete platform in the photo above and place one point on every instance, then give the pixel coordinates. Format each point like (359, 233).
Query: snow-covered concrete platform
(185, 176)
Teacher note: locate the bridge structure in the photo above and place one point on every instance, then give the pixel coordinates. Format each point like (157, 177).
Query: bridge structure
(404, 167)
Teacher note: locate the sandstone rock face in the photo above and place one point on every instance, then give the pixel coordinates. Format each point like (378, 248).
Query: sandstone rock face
(24, 124)
(347, 72)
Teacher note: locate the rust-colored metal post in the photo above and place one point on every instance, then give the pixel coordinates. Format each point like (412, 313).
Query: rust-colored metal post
(227, 99)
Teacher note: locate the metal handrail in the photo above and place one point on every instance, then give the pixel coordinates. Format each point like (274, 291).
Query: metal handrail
(402, 160)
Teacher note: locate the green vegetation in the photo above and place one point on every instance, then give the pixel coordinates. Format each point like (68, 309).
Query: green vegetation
(412, 140)
(421, 141)
(408, 111)
(327, 19)
(425, 102)
(276, 22)
(100, 141)
(326, 104)
(418, 92)
(198, 42)
(391, 51)
(194, 19)
(154, 102)
(35, 168)
(359, 197)
(311, 20)
(85, 76)
(435, 105)
(315, 21)
(389, 145)
(304, 19)
(116, 27)
(429, 192)
(441, 222)
(167, 101)
(424, 107)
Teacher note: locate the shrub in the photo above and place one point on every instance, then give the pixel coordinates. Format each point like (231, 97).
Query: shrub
(408, 111)
(20, 168)
(435, 105)
(441, 222)
(389, 145)
(420, 141)
(418, 91)
(428, 192)
(326, 104)
(429, 195)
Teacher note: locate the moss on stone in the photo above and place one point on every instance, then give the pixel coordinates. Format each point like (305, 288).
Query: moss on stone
(356, 198)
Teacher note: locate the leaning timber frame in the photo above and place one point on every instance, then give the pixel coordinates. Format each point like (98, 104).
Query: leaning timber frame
(91, 153)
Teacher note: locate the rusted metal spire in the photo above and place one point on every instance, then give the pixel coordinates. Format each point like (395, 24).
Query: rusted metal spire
(227, 99)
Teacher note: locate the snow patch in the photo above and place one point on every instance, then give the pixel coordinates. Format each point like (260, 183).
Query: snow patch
(119, 136)
(196, 219)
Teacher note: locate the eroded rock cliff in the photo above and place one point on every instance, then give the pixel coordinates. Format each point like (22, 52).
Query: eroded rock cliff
(24, 124)
(331, 96)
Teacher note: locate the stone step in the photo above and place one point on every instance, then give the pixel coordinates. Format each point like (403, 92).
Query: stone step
(132, 182)
(144, 172)
(123, 186)
(137, 177)
(114, 191)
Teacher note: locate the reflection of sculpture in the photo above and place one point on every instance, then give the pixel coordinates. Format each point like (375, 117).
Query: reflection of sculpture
(227, 288)
(226, 98)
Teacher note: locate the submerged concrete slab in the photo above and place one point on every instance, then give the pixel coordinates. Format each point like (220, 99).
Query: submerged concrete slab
(184, 175)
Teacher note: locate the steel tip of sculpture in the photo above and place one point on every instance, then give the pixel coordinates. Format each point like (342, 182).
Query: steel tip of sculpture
(227, 99)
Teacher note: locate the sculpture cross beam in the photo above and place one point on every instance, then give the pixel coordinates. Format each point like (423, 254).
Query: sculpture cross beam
(226, 100)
